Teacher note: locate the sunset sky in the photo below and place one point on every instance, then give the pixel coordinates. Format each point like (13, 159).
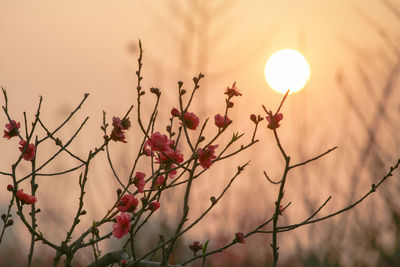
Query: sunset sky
(61, 50)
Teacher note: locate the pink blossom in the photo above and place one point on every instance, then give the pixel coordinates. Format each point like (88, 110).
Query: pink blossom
(153, 206)
(118, 132)
(12, 129)
(122, 226)
(29, 152)
(233, 91)
(25, 198)
(159, 181)
(222, 122)
(170, 156)
(273, 121)
(206, 156)
(190, 120)
(158, 142)
(175, 112)
(240, 237)
(139, 181)
(128, 203)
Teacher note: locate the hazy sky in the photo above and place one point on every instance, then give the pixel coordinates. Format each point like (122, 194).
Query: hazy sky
(62, 49)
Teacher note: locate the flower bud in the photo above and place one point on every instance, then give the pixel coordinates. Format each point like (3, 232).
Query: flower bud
(175, 112)
(10, 188)
(10, 222)
(253, 118)
(119, 191)
(156, 91)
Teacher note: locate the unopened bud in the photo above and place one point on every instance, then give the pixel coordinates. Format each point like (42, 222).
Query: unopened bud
(155, 90)
(10, 187)
(10, 222)
(175, 112)
(253, 118)
(213, 200)
(3, 217)
(183, 91)
(119, 191)
(180, 83)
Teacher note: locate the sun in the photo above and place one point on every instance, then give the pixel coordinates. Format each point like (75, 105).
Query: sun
(287, 69)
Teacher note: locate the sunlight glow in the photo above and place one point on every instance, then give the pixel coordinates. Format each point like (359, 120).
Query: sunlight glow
(287, 69)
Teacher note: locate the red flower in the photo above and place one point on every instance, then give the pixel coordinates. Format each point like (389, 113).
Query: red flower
(118, 132)
(206, 156)
(273, 121)
(190, 120)
(169, 156)
(231, 92)
(12, 128)
(175, 112)
(240, 237)
(153, 206)
(25, 198)
(29, 152)
(222, 122)
(121, 227)
(195, 246)
(139, 181)
(127, 203)
(159, 181)
(158, 142)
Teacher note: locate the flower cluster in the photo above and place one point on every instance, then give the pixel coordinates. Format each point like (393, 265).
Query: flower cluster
(128, 203)
(29, 150)
(168, 154)
(120, 126)
(122, 226)
(273, 120)
(206, 156)
(222, 121)
(232, 91)
(25, 198)
(12, 129)
(189, 119)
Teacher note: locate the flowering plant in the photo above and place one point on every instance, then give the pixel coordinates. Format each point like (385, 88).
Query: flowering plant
(175, 159)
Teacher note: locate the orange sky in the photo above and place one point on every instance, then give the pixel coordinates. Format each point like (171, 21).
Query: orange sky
(61, 50)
